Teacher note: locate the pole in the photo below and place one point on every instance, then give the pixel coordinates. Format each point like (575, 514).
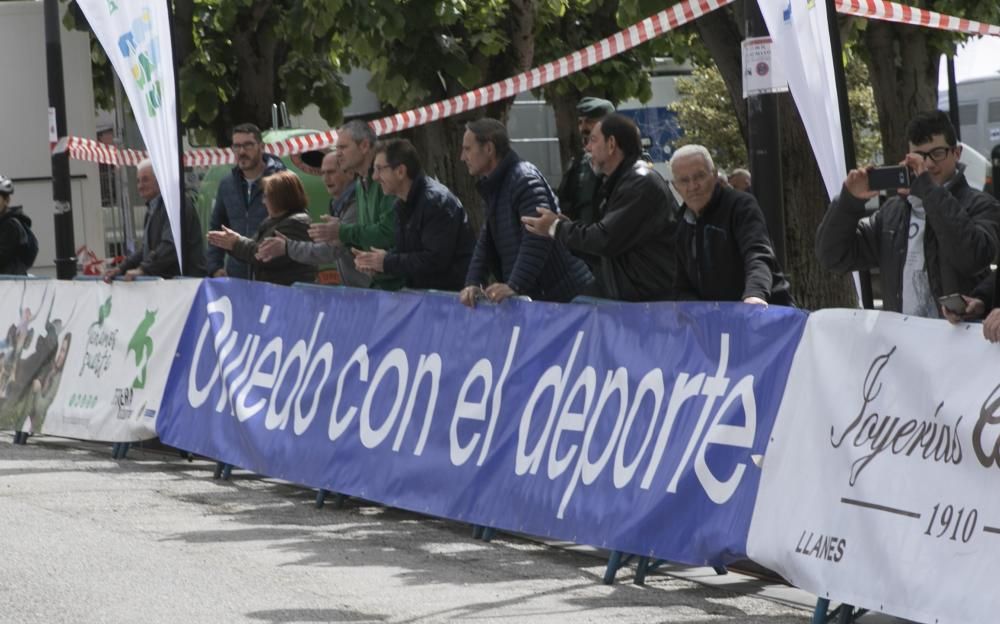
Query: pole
(122, 173)
(764, 138)
(184, 242)
(62, 194)
(850, 155)
(953, 97)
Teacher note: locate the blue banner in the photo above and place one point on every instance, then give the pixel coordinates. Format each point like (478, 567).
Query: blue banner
(625, 426)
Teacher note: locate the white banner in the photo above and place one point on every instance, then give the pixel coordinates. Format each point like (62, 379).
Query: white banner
(802, 50)
(136, 37)
(879, 484)
(89, 360)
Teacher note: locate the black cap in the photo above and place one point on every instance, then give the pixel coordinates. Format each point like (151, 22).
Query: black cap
(594, 108)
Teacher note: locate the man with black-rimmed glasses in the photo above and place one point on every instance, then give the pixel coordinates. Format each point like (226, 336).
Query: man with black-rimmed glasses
(934, 239)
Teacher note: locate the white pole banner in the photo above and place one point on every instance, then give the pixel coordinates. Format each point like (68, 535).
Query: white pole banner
(879, 483)
(135, 34)
(89, 360)
(802, 50)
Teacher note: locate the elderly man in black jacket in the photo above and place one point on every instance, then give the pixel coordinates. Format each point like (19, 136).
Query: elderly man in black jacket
(522, 263)
(723, 248)
(433, 238)
(935, 239)
(157, 257)
(637, 217)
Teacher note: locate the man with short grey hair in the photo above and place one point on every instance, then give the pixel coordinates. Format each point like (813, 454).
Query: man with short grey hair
(157, 256)
(724, 252)
(739, 179)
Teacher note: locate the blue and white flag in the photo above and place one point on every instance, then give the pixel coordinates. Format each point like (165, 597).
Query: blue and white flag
(135, 34)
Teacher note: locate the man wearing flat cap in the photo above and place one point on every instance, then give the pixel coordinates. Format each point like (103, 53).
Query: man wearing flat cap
(579, 183)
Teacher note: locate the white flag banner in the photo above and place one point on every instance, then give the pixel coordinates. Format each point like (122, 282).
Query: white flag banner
(135, 34)
(802, 51)
(879, 483)
(89, 360)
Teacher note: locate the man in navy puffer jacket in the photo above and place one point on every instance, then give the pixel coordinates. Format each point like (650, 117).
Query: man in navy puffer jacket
(522, 263)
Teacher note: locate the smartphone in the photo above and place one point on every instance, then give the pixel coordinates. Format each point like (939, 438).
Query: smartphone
(953, 303)
(888, 178)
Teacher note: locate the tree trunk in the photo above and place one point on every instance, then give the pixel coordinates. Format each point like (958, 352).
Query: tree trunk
(567, 129)
(904, 74)
(803, 189)
(441, 143)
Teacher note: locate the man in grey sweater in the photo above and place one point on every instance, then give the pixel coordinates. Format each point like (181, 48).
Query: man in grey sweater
(340, 184)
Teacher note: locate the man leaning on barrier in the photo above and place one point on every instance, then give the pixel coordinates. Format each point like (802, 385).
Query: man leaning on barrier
(633, 238)
(157, 256)
(522, 263)
(934, 239)
(723, 249)
(433, 238)
(376, 224)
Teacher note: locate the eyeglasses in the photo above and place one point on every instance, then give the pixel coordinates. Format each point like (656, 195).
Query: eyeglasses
(244, 146)
(936, 155)
(380, 168)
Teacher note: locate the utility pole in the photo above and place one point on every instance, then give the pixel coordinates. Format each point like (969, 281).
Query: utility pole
(764, 135)
(62, 195)
(850, 155)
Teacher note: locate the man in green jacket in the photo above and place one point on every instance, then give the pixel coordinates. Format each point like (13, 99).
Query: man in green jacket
(376, 225)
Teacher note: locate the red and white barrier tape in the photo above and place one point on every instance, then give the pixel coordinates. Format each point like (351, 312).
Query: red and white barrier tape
(622, 41)
(626, 39)
(902, 14)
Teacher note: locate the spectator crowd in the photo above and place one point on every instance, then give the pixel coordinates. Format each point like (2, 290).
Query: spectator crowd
(614, 229)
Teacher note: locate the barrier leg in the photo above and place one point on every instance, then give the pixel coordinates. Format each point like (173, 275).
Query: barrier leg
(720, 570)
(819, 613)
(227, 471)
(616, 560)
(185, 455)
(218, 470)
(641, 569)
(488, 534)
(477, 531)
(114, 450)
(20, 437)
(320, 498)
(123, 450)
(339, 500)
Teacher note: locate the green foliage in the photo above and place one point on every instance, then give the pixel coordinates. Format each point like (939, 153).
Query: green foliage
(705, 112)
(864, 114)
(214, 74)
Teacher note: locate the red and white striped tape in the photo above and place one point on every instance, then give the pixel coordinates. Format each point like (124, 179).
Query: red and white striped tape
(622, 41)
(902, 14)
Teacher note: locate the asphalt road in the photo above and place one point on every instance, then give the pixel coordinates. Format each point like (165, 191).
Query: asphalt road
(154, 539)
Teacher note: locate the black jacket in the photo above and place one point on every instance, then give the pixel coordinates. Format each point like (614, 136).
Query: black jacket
(961, 240)
(282, 270)
(238, 211)
(531, 265)
(13, 237)
(634, 236)
(433, 239)
(725, 254)
(157, 256)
